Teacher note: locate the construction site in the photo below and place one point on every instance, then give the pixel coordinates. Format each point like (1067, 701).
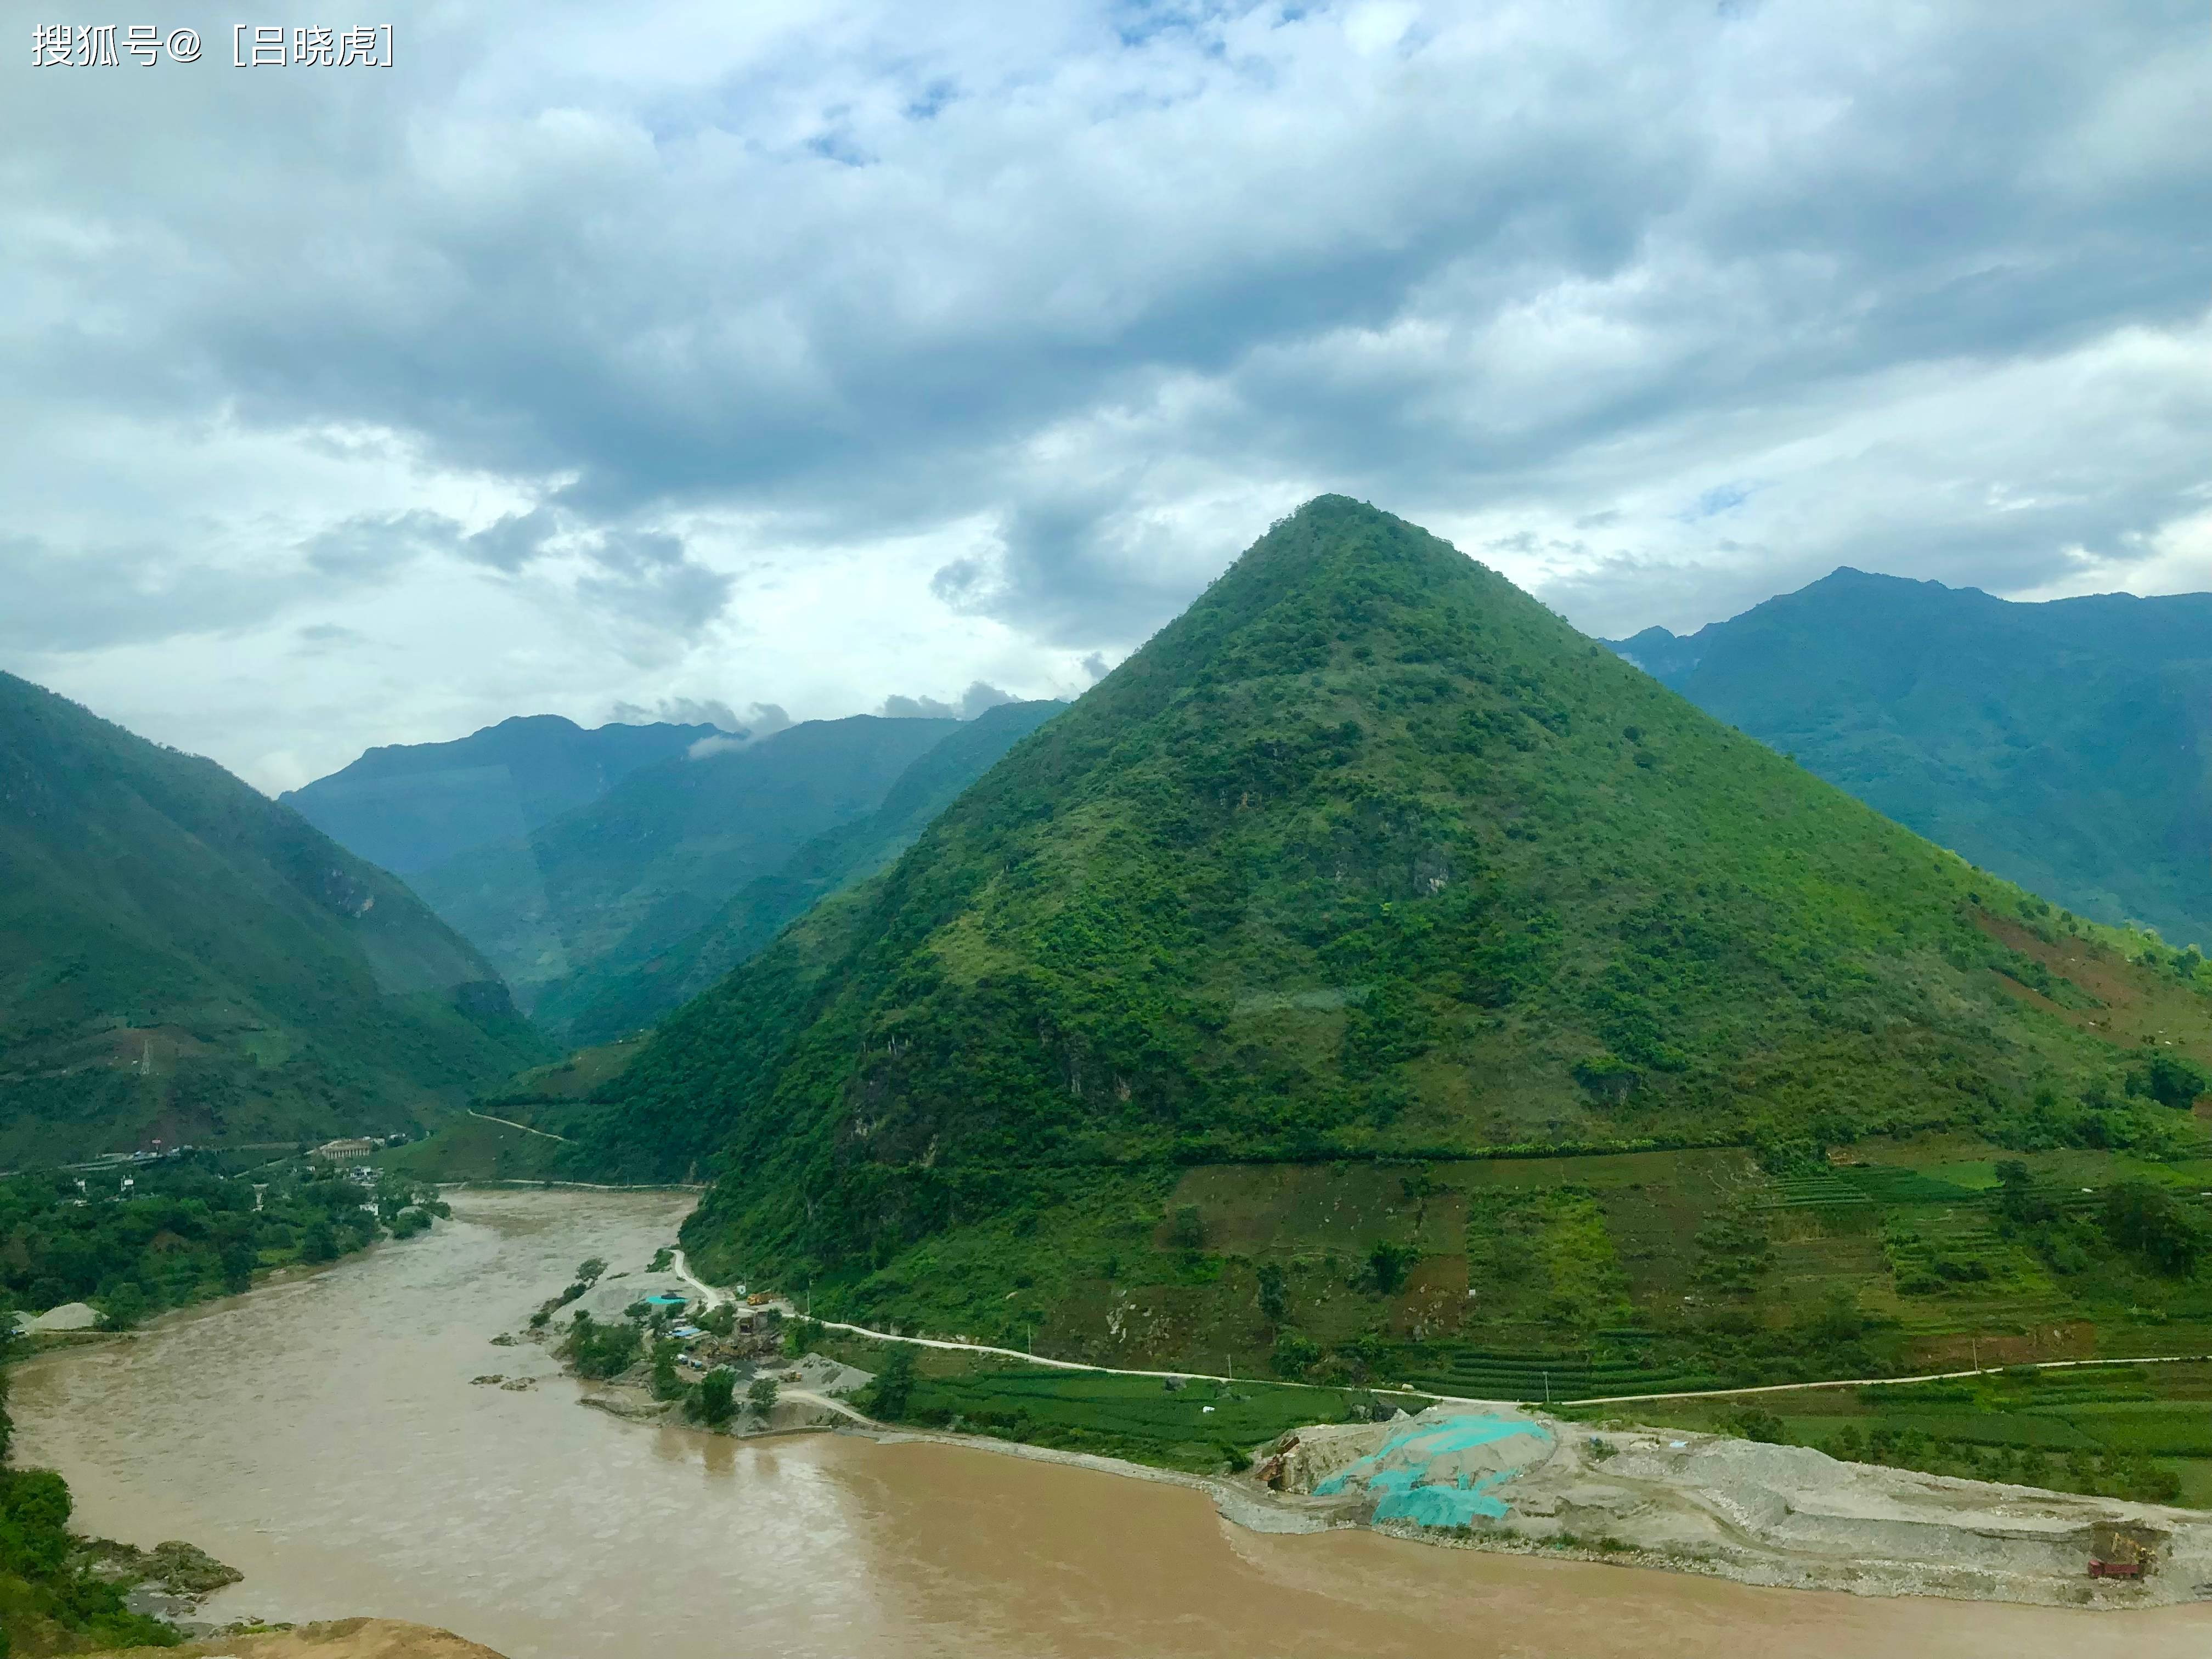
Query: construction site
(1501, 1478)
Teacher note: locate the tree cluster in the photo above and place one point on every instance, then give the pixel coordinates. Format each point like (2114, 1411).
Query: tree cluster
(181, 1233)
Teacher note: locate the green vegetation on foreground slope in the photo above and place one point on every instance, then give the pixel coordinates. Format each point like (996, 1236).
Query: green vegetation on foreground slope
(182, 959)
(1600, 1274)
(1369, 866)
(1194, 1423)
(2064, 744)
(50, 1602)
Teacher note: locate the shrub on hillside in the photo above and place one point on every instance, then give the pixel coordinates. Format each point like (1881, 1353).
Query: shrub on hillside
(2171, 1081)
(893, 1388)
(2151, 1222)
(1294, 1355)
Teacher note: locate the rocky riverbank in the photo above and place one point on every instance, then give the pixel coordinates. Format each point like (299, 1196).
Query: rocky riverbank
(168, 1582)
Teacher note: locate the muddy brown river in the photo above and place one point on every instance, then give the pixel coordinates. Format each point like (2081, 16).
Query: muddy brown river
(323, 1437)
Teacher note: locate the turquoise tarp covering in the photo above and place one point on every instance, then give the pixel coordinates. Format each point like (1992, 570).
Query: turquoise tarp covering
(1402, 1471)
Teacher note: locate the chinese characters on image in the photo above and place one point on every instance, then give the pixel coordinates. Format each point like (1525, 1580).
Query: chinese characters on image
(66, 45)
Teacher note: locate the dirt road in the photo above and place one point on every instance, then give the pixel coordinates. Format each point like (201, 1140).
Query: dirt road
(715, 1296)
(512, 1124)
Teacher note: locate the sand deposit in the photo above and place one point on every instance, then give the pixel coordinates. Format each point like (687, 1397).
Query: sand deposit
(1496, 1477)
(70, 1316)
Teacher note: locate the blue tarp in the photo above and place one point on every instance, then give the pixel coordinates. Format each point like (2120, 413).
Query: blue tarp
(1399, 1471)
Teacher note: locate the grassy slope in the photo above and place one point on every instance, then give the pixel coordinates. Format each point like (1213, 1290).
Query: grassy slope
(633, 873)
(2064, 744)
(629, 988)
(485, 1146)
(474, 1148)
(157, 914)
(1368, 856)
(1141, 1418)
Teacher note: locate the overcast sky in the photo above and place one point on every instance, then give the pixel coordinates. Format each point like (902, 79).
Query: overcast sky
(598, 359)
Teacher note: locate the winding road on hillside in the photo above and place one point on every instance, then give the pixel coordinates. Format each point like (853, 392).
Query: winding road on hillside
(512, 1124)
(716, 1297)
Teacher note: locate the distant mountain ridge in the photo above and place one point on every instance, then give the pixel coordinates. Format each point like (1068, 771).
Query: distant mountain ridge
(650, 861)
(409, 806)
(637, 981)
(2065, 745)
(182, 958)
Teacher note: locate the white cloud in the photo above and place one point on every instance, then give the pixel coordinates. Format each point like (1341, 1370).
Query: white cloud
(979, 697)
(826, 351)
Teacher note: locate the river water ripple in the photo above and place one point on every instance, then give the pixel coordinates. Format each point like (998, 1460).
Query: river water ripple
(323, 1436)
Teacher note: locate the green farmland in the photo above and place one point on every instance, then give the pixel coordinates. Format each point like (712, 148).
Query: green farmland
(1557, 1278)
(2141, 1431)
(1197, 1427)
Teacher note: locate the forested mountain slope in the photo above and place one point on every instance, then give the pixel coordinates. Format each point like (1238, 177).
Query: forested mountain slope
(183, 958)
(1367, 855)
(2067, 745)
(408, 806)
(635, 983)
(652, 860)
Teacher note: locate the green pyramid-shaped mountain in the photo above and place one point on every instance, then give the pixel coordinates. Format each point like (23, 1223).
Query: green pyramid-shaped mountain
(1367, 856)
(184, 960)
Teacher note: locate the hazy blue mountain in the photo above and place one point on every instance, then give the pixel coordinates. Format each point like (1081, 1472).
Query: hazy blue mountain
(407, 806)
(653, 859)
(640, 980)
(183, 958)
(2066, 745)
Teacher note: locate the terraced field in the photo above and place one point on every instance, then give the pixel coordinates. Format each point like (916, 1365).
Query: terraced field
(1659, 1273)
(1485, 1373)
(1183, 1424)
(2061, 1427)
(1569, 1276)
